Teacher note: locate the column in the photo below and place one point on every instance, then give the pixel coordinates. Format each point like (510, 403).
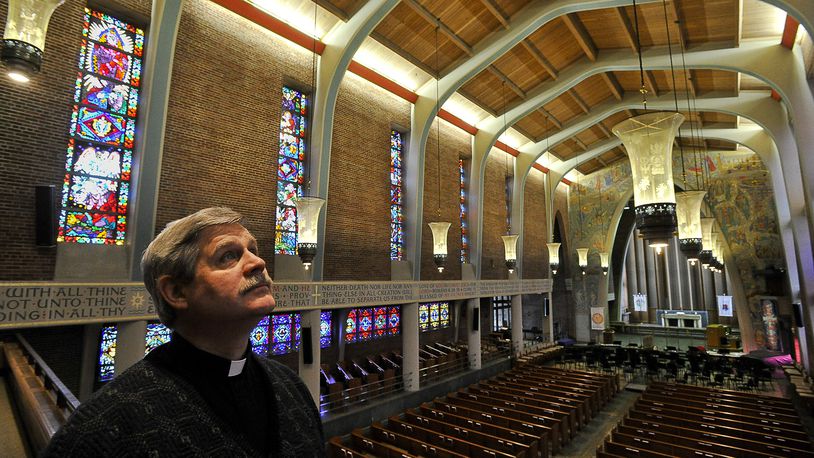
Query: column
(517, 325)
(652, 281)
(129, 344)
(632, 279)
(409, 346)
(473, 335)
(309, 372)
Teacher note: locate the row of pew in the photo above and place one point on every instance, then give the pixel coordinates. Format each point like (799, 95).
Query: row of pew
(686, 420)
(539, 354)
(529, 411)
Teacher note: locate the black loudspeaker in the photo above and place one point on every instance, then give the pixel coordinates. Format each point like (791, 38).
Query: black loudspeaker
(798, 314)
(475, 319)
(45, 208)
(307, 348)
(546, 309)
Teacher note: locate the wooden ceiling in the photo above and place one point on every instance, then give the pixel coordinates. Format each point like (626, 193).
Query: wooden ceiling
(460, 26)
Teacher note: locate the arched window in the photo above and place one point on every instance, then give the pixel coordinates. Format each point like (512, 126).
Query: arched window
(290, 164)
(433, 315)
(157, 334)
(368, 323)
(396, 216)
(96, 188)
(284, 329)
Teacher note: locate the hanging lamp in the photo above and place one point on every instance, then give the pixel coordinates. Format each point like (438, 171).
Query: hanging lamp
(553, 256)
(688, 212)
(553, 247)
(603, 262)
(706, 236)
(24, 36)
(509, 240)
(439, 228)
(582, 254)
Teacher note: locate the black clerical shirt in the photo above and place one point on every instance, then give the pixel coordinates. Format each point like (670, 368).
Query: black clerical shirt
(244, 400)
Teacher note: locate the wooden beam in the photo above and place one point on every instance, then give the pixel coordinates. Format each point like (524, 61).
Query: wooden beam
(402, 53)
(582, 105)
(535, 53)
(580, 143)
(613, 84)
(650, 82)
(550, 117)
(789, 32)
(495, 10)
(583, 37)
(679, 23)
(526, 133)
(336, 11)
(604, 129)
(690, 81)
(627, 26)
(423, 12)
(493, 70)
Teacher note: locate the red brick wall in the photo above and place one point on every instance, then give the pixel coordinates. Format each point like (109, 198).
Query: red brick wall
(35, 119)
(535, 253)
(455, 143)
(357, 242)
(493, 264)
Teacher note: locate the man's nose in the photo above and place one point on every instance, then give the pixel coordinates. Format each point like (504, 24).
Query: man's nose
(254, 262)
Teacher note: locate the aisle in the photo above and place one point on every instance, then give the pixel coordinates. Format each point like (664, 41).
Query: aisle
(591, 436)
(11, 440)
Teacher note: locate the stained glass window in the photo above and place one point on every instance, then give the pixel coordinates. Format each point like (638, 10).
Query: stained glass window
(96, 185)
(107, 353)
(433, 315)
(372, 322)
(157, 334)
(396, 219)
(501, 313)
(464, 213)
(290, 168)
(279, 334)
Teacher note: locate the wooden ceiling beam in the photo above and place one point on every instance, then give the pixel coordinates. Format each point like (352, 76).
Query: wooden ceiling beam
(613, 84)
(582, 36)
(495, 10)
(679, 23)
(576, 98)
(333, 9)
(526, 133)
(604, 129)
(580, 143)
(650, 82)
(428, 16)
(551, 117)
(532, 49)
(515, 88)
(627, 26)
(402, 53)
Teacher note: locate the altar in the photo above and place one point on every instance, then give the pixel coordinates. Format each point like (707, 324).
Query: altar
(681, 319)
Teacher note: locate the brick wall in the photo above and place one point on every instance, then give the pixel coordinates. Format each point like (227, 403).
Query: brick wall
(357, 242)
(493, 264)
(61, 349)
(455, 143)
(535, 233)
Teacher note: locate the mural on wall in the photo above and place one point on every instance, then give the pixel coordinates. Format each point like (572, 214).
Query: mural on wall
(741, 198)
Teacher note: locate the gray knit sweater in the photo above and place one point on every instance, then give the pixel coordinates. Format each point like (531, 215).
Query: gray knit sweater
(148, 411)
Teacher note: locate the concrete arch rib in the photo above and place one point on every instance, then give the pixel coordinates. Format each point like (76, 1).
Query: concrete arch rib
(340, 46)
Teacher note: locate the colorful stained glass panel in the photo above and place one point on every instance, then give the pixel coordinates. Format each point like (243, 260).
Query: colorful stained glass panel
(98, 126)
(86, 227)
(423, 316)
(93, 193)
(325, 329)
(111, 32)
(105, 94)
(285, 243)
(107, 353)
(286, 219)
(107, 62)
(157, 335)
(96, 160)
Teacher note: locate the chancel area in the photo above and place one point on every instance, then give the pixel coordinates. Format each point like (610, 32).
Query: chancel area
(494, 227)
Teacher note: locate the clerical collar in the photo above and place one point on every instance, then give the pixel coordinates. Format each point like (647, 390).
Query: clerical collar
(203, 362)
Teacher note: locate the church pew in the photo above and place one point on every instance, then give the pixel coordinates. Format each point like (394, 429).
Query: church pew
(612, 380)
(716, 438)
(518, 394)
(549, 408)
(789, 429)
(598, 398)
(609, 383)
(603, 387)
(717, 393)
(336, 449)
(711, 402)
(410, 444)
(534, 385)
(736, 411)
(689, 442)
(536, 428)
(558, 433)
(455, 444)
(601, 454)
(563, 418)
(535, 444)
(373, 447)
(478, 437)
(629, 451)
(714, 426)
(670, 449)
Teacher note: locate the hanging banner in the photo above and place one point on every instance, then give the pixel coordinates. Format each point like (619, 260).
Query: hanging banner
(640, 302)
(597, 318)
(724, 305)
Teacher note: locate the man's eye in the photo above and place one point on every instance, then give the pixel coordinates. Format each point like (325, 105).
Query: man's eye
(228, 256)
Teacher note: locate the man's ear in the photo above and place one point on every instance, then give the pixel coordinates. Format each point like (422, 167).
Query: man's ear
(172, 292)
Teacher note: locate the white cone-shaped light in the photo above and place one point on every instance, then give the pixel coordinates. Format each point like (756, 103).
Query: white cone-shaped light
(553, 256)
(582, 253)
(439, 243)
(706, 240)
(24, 36)
(688, 211)
(603, 262)
(307, 227)
(648, 139)
(510, 251)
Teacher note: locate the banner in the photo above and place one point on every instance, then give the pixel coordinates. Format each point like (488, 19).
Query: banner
(640, 302)
(724, 305)
(597, 318)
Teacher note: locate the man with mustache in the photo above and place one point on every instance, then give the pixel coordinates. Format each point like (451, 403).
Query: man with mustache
(205, 393)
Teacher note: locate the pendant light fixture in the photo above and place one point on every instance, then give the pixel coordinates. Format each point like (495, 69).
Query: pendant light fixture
(690, 235)
(509, 240)
(706, 236)
(24, 36)
(582, 253)
(439, 228)
(603, 255)
(309, 207)
(553, 247)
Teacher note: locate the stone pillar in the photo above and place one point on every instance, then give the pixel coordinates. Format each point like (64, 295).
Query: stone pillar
(632, 277)
(473, 336)
(129, 344)
(410, 346)
(651, 273)
(309, 373)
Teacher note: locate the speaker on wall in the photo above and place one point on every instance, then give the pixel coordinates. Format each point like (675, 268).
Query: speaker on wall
(546, 309)
(798, 314)
(475, 319)
(307, 348)
(45, 213)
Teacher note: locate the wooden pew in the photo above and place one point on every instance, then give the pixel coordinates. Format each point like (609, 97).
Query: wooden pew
(534, 385)
(716, 393)
(518, 394)
(410, 444)
(535, 443)
(558, 436)
(712, 402)
(660, 447)
(598, 397)
(609, 383)
(545, 433)
(627, 451)
(336, 449)
(720, 438)
(373, 447)
(754, 412)
(452, 443)
(553, 410)
(690, 442)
